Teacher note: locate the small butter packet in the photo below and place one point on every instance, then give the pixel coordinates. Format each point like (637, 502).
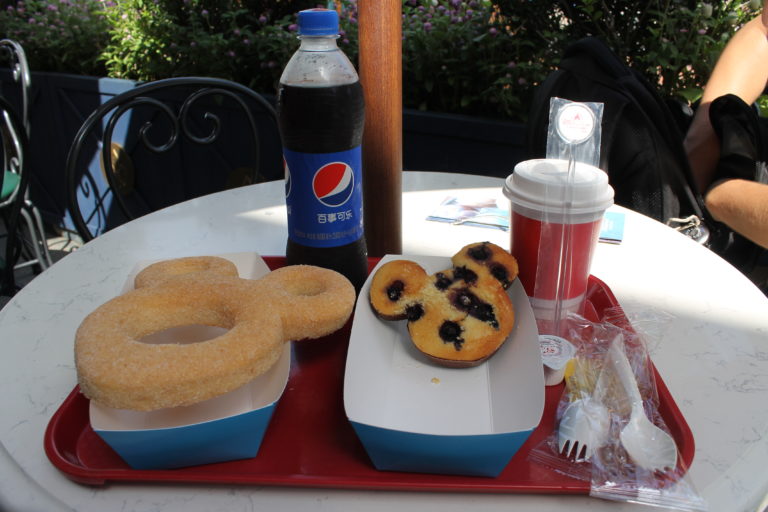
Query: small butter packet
(555, 354)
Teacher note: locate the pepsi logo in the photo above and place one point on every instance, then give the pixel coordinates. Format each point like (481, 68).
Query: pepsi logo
(333, 184)
(287, 178)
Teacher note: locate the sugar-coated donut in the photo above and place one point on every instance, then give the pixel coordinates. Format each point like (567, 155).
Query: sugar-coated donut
(488, 258)
(159, 272)
(119, 370)
(309, 299)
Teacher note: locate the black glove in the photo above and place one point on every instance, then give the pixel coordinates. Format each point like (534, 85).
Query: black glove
(742, 143)
(743, 147)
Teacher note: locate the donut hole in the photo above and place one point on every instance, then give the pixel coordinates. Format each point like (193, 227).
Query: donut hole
(184, 334)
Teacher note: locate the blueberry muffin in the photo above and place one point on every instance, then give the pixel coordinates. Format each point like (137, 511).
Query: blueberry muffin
(458, 317)
(486, 258)
(464, 320)
(397, 286)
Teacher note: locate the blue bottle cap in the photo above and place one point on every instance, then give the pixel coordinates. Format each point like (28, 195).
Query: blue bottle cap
(318, 22)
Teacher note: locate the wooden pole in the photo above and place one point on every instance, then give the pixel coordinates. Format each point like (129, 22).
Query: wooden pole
(381, 74)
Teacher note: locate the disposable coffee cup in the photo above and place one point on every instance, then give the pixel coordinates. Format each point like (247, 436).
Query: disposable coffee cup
(550, 212)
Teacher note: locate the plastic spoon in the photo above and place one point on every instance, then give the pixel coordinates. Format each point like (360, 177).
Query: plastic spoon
(647, 445)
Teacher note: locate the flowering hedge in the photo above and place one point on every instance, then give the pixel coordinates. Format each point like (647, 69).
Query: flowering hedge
(59, 35)
(480, 57)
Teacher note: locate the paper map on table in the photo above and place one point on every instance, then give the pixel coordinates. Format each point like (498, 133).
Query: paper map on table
(482, 212)
(486, 213)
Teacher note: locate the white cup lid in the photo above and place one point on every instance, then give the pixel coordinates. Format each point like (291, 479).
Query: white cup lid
(541, 185)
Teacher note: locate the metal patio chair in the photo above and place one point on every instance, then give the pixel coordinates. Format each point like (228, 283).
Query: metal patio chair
(167, 141)
(13, 144)
(32, 233)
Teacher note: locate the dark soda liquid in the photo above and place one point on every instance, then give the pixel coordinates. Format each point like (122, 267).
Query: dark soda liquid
(321, 119)
(324, 120)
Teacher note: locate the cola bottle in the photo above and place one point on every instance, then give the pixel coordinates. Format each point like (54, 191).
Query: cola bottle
(320, 115)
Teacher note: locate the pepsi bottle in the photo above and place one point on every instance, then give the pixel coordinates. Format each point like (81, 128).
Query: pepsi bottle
(320, 115)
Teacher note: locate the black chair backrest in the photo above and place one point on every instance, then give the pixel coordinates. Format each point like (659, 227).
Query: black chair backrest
(167, 141)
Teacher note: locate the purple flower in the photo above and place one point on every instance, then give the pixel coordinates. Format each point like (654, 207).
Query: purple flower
(702, 31)
(236, 31)
(52, 7)
(427, 26)
(511, 64)
(262, 19)
(32, 21)
(230, 53)
(193, 44)
(493, 31)
(293, 27)
(522, 81)
(204, 12)
(246, 41)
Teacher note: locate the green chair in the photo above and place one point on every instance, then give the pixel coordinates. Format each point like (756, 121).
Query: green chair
(13, 183)
(33, 247)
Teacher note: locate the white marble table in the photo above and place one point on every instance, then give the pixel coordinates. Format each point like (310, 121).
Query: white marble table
(712, 352)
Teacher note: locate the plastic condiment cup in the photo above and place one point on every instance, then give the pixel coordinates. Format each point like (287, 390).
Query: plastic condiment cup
(555, 354)
(545, 214)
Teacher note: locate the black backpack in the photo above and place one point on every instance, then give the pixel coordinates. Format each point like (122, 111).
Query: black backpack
(641, 144)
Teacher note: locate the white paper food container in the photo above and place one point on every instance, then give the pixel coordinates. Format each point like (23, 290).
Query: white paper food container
(413, 415)
(227, 427)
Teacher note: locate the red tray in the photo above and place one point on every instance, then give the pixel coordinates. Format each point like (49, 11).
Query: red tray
(310, 443)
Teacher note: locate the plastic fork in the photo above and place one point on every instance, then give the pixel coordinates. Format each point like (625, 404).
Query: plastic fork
(586, 421)
(583, 428)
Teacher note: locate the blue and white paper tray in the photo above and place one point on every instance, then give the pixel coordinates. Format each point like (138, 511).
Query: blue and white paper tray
(413, 415)
(227, 427)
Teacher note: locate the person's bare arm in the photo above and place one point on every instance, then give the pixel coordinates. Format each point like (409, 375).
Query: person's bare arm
(743, 206)
(742, 69)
